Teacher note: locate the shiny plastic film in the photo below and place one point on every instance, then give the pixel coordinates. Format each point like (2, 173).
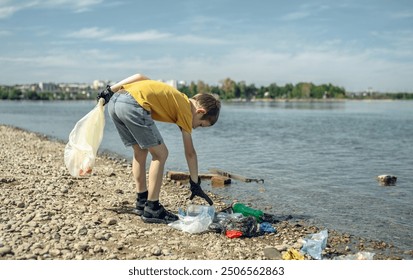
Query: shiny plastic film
(84, 141)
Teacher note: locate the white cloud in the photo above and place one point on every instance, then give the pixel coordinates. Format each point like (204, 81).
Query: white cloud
(148, 35)
(9, 8)
(109, 35)
(194, 39)
(402, 15)
(296, 15)
(89, 33)
(76, 5)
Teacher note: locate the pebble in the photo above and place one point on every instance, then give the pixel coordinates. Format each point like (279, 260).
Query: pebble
(272, 254)
(5, 250)
(111, 221)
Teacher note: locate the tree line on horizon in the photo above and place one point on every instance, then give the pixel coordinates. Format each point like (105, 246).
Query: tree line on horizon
(228, 89)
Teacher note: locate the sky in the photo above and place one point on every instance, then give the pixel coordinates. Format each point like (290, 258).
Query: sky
(355, 44)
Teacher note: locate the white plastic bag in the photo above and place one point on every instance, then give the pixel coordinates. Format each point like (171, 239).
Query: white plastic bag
(196, 220)
(84, 141)
(315, 244)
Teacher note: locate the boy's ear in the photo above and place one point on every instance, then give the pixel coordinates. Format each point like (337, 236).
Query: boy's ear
(201, 110)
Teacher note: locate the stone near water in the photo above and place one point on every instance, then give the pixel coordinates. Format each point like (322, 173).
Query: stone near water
(5, 250)
(387, 180)
(272, 254)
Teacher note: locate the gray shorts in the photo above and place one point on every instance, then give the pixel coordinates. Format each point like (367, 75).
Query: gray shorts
(134, 124)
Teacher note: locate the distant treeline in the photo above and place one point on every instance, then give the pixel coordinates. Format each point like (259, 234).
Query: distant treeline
(227, 90)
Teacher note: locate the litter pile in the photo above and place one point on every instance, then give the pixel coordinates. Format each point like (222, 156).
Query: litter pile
(235, 221)
(240, 220)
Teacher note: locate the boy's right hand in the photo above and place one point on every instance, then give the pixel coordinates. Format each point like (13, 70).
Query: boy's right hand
(197, 190)
(105, 94)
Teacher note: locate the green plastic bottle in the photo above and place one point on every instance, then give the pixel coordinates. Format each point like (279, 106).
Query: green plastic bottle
(247, 211)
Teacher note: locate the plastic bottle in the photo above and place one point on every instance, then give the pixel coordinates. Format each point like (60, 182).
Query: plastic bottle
(247, 211)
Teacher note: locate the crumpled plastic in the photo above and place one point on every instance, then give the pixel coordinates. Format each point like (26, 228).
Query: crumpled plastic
(196, 219)
(292, 254)
(314, 244)
(357, 256)
(233, 233)
(266, 227)
(84, 141)
(246, 225)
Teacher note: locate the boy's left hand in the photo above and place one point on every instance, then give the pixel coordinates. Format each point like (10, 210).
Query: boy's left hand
(106, 94)
(197, 190)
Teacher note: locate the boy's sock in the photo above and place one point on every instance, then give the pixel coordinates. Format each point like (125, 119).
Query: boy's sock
(142, 197)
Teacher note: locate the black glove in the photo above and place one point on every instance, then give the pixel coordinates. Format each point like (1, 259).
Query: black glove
(197, 190)
(106, 94)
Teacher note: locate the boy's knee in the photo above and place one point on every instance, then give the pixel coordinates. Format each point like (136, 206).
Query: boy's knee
(161, 153)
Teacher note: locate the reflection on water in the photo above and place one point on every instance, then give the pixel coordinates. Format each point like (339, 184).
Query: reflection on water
(298, 105)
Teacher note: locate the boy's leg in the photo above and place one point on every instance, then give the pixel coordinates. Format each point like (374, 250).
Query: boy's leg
(159, 155)
(154, 212)
(139, 176)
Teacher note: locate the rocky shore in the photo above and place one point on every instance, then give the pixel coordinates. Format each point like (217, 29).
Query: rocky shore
(47, 214)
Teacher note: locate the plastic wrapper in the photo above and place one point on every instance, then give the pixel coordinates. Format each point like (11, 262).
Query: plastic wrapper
(197, 219)
(292, 254)
(315, 244)
(84, 141)
(358, 256)
(246, 225)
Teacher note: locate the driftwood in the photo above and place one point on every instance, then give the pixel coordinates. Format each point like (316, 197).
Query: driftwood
(235, 176)
(218, 176)
(183, 176)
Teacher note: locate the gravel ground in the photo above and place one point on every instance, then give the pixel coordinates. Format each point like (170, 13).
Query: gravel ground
(47, 214)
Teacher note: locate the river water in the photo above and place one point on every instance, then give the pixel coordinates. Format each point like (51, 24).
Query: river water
(319, 160)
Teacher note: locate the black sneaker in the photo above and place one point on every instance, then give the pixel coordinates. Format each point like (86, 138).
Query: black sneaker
(160, 216)
(140, 206)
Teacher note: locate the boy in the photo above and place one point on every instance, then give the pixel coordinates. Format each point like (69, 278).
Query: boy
(136, 102)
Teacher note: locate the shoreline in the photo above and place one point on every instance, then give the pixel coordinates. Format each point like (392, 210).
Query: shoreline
(47, 214)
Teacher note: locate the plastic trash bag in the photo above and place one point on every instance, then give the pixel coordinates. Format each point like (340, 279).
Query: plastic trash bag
(246, 225)
(315, 244)
(196, 219)
(84, 141)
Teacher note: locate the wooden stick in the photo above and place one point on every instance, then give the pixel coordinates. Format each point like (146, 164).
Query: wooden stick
(235, 176)
(182, 176)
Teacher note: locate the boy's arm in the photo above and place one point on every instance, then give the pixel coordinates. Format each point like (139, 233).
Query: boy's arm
(192, 161)
(190, 155)
(128, 80)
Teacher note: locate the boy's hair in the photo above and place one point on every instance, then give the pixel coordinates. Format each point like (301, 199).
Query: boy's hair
(211, 104)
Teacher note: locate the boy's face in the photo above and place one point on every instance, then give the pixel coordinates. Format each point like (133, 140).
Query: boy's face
(196, 119)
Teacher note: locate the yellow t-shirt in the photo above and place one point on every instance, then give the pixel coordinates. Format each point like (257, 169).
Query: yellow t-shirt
(165, 103)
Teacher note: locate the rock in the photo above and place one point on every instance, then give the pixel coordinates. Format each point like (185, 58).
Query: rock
(272, 254)
(82, 246)
(82, 231)
(156, 251)
(5, 250)
(21, 204)
(281, 247)
(111, 221)
(387, 180)
(54, 252)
